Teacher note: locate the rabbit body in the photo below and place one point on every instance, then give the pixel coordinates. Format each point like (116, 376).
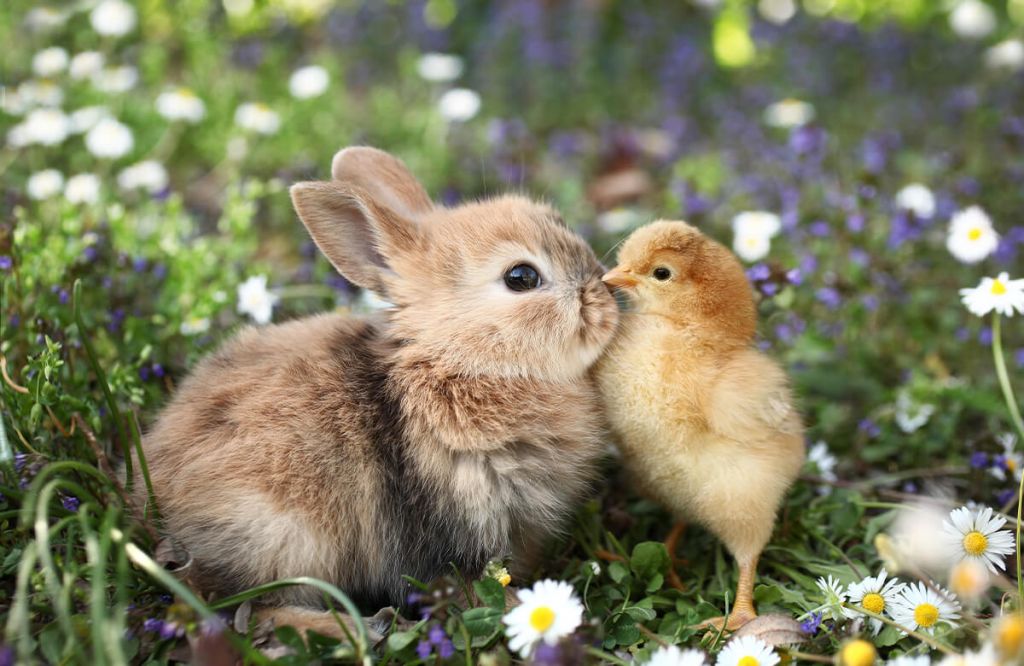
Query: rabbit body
(457, 428)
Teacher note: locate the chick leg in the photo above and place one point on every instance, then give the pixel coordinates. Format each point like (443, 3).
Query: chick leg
(743, 610)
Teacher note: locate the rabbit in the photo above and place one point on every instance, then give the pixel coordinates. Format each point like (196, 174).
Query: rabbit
(457, 427)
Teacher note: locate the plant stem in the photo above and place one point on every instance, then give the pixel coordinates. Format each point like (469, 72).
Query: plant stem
(1004, 377)
(1011, 404)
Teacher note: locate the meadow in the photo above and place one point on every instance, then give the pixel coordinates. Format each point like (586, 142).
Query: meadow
(864, 158)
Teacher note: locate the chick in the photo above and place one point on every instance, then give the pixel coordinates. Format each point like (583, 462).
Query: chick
(705, 422)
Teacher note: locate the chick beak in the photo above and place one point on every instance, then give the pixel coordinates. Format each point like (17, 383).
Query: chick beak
(617, 278)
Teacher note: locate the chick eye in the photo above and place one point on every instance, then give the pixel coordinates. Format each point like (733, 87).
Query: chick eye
(522, 277)
(661, 273)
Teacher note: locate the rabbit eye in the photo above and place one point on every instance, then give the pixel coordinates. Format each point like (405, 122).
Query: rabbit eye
(661, 273)
(522, 277)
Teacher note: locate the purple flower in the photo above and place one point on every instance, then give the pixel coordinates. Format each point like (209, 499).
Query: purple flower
(820, 229)
(436, 635)
(139, 264)
(910, 488)
(6, 655)
(63, 296)
(5, 262)
(144, 373)
(979, 460)
(870, 302)
(19, 461)
(70, 502)
(869, 427)
(855, 223)
(1004, 497)
(170, 630)
(90, 253)
(423, 649)
(158, 370)
(829, 297)
(985, 336)
(758, 272)
(795, 276)
(860, 256)
(811, 624)
(446, 649)
(1018, 356)
(769, 288)
(547, 654)
(153, 625)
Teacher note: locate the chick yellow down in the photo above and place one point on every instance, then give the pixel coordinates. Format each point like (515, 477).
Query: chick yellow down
(705, 422)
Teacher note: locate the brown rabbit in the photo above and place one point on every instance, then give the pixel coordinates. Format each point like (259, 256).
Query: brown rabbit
(458, 427)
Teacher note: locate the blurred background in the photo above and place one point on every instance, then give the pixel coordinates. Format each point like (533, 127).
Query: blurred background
(146, 148)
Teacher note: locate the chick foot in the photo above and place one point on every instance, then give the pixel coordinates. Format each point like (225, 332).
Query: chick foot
(743, 611)
(671, 543)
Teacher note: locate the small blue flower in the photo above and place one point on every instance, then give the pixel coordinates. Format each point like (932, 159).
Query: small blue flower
(979, 460)
(769, 288)
(139, 264)
(436, 635)
(811, 624)
(446, 649)
(19, 461)
(1019, 357)
(829, 297)
(153, 625)
(758, 272)
(5, 263)
(985, 336)
(6, 655)
(70, 502)
(1004, 497)
(423, 649)
(869, 427)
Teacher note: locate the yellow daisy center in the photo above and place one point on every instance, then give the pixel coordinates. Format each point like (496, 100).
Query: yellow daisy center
(858, 653)
(975, 543)
(504, 579)
(874, 602)
(748, 661)
(542, 618)
(1010, 635)
(926, 615)
(974, 234)
(998, 288)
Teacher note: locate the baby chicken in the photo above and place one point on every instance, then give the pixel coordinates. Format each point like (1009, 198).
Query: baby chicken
(705, 422)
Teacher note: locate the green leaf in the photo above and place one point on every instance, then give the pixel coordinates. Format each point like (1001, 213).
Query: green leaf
(655, 583)
(490, 592)
(482, 621)
(617, 572)
(649, 559)
(400, 640)
(888, 636)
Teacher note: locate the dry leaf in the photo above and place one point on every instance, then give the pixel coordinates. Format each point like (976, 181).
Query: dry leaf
(774, 630)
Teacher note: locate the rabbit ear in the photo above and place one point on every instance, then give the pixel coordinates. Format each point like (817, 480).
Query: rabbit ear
(384, 177)
(357, 234)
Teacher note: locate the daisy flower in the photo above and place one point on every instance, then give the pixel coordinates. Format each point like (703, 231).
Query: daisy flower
(84, 119)
(972, 19)
(788, 113)
(44, 184)
(86, 65)
(918, 199)
(858, 652)
(976, 535)
(747, 651)
(113, 18)
(971, 237)
(670, 655)
(83, 188)
(969, 580)
(911, 415)
(922, 607)
(147, 175)
(548, 612)
(110, 139)
(50, 62)
(835, 597)
(308, 82)
(876, 594)
(255, 300)
(1008, 635)
(115, 79)
(459, 104)
(257, 117)
(751, 247)
(439, 67)
(1007, 54)
(1010, 460)
(180, 104)
(47, 127)
(758, 223)
(1000, 294)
